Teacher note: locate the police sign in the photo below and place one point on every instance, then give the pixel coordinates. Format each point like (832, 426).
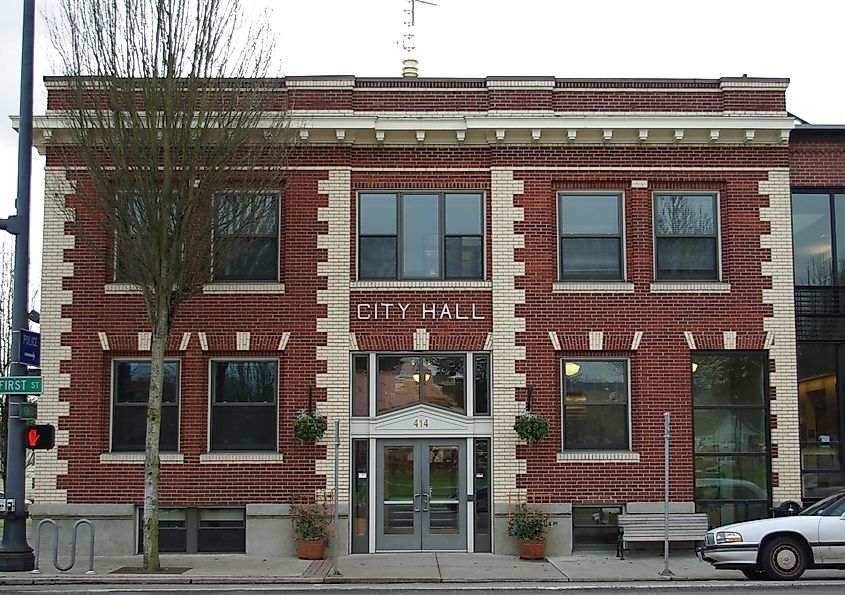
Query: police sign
(29, 348)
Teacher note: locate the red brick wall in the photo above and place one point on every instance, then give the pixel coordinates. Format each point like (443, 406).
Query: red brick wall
(474, 95)
(660, 369)
(817, 162)
(123, 316)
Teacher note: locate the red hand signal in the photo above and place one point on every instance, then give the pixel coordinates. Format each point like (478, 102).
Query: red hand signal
(40, 436)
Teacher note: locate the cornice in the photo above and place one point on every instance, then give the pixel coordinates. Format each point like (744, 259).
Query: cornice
(341, 127)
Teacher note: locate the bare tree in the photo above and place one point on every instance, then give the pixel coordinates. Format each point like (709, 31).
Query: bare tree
(7, 259)
(183, 138)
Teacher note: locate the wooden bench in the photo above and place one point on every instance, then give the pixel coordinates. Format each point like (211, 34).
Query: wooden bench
(649, 527)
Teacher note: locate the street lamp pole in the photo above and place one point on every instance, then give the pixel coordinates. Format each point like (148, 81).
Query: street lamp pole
(15, 553)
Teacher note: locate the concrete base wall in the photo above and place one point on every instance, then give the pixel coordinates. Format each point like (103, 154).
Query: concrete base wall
(268, 530)
(559, 537)
(115, 531)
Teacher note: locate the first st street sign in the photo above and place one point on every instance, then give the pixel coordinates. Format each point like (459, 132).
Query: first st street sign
(21, 385)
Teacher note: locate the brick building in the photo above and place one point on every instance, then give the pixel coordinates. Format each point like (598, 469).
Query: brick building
(817, 174)
(445, 250)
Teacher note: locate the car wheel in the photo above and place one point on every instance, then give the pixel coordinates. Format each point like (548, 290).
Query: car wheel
(753, 574)
(784, 559)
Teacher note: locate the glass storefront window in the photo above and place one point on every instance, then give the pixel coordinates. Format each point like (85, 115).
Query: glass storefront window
(726, 513)
(727, 381)
(730, 430)
(820, 415)
(817, 399)
(730, 436)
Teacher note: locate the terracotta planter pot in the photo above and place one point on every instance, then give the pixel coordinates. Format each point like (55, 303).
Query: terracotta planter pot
(311, 550)
(532, 550)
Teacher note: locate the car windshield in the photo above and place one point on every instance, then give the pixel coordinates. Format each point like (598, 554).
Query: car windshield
(819, 507)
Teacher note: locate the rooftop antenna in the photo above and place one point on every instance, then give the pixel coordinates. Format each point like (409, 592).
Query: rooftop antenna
(409, 64)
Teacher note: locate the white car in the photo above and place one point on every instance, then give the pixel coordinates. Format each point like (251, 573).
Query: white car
(782, 548)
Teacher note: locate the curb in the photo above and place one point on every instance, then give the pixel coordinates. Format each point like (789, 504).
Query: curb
(289, 580)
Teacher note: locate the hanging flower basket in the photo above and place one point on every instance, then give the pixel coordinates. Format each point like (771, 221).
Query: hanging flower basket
(309, 427)
(531, 427)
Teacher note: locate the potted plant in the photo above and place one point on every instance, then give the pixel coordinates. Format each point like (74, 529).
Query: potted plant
(309, 427)
(310, 529)
(531, 427)
(529, 525)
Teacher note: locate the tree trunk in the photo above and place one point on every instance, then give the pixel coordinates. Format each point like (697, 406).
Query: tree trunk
(152, 461)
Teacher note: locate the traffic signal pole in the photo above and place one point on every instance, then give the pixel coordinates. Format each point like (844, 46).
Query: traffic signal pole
(15, 553)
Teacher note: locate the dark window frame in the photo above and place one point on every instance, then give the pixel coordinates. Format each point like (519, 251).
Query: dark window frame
(443, 235)
(766, 454)
(263, 404)
(612, 530)
(716, 237)
(619, 236)
(116, 406)
(190, 531)
(276, 236)
(627, 405)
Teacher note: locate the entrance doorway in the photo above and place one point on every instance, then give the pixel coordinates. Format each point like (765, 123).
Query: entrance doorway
(421, 501)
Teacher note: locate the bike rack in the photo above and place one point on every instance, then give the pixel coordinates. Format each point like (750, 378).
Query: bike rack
(73, 545)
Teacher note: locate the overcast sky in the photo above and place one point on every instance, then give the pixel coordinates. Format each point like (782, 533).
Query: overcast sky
(477, 38)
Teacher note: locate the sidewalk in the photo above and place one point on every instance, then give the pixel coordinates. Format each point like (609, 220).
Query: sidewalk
(424, 567)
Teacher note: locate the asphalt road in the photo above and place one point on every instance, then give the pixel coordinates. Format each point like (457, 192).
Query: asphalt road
(805, 588)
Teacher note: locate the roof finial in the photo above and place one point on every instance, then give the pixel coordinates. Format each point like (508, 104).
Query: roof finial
(409, 64)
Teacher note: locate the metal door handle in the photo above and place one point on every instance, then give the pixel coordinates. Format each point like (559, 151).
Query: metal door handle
(426, 500)
(416, 508)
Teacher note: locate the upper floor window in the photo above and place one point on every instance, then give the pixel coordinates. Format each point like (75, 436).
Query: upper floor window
(140, 223)
(590, 228)
(244, 413)
(686, 230)
(595, 404)
(420, 235)
(131, 393)
(818, 238)
(247, 241)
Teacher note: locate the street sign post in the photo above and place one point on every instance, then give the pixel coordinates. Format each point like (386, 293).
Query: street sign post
(29, 350)
(21, 385)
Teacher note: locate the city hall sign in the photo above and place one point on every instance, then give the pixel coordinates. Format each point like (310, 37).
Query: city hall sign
(433, 311)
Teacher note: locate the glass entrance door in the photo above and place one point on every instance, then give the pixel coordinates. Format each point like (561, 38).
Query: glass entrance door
(421, 495)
